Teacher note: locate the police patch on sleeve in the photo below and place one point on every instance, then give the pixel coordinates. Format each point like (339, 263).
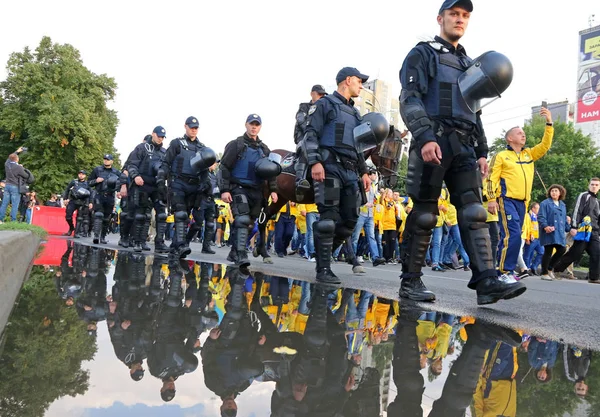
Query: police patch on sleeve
(312, 109)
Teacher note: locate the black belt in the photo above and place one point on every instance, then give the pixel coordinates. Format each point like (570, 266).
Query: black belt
(188, 180)
(344, 162)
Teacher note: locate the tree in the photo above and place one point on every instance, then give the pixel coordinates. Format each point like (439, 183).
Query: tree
(44, 347)
(571, 161)
(402, 170)
(57, 108)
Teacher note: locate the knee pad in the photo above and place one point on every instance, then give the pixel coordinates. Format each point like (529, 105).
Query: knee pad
(424, 220)
(181, 216)
(242, 221)
(326, 226)
(345, 229)
(141, 218)
(161, 217)
(148, 217)
(210, 225)
(472, 214)
(99, 215)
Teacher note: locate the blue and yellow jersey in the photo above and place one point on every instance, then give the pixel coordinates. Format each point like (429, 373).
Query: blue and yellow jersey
(511, 173)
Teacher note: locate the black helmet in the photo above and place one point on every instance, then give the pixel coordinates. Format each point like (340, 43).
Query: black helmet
(487, 78)
(266, 168)
(204, 159)
(81, 193)
(372, 131)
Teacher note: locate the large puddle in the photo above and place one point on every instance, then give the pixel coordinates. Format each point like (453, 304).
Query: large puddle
(104, 333)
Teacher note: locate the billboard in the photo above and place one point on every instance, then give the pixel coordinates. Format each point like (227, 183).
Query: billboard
(588, 76)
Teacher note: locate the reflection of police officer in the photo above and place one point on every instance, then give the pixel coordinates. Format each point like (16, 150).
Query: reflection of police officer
(130, 325)
(169, 358)
(200, 312)
(204, 212)
(77, 197)
(240, 181)
(304, 110)
(229, 358)
(92, 306)
(106, 180)
(335, 164)
(449, 145)
(67, 280)
(186, 162)
(143, 165)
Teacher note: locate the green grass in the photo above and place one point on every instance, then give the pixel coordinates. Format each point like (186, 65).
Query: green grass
(16, 226)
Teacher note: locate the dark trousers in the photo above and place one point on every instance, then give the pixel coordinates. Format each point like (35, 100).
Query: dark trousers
(389, 239)
(284, 231)
(549, 260)
(576, 251)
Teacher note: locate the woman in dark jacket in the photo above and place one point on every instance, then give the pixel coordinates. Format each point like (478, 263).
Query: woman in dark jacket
(553, 224)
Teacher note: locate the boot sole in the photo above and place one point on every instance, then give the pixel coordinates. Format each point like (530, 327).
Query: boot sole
(96, 241)
(417, 297)
(506, 295)
(330, 282)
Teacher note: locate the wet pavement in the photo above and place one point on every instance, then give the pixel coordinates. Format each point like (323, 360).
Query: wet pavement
(98, 332)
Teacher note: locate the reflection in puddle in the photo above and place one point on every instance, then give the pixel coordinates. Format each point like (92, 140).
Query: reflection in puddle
(105, 333)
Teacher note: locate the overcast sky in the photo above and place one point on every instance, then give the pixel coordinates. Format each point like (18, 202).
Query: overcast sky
(221, 60)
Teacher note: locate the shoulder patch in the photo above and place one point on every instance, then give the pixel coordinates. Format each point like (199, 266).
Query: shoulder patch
(312, 109)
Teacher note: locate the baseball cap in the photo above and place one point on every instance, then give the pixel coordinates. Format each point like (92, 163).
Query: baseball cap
(350, 72)
(254, 118)
(82, 171)
(318, 88)
(160, 131)
(192, 122)
(448, 4)
(108, 156)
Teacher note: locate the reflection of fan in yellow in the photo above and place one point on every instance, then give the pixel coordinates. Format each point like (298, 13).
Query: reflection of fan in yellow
(592, 45)
(285, 350)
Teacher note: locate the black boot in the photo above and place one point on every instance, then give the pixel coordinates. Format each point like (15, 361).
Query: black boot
(145, 231)
(98, 220)
(138, 233)
(323, 235)
(126, 225)
(161, 229)
(302, 183)
(71, 228)
(494, 289)
(241, 237)
(179, 247)
(208, 236)
(414, 289)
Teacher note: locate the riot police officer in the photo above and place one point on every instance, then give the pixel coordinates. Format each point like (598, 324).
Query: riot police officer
(186, 162)
(335, 163)
(204, 211)
(439, 103)
(126, 221)
(106, 180)
(77, 196)
(245, 166)
(304, 110)
(144, 162)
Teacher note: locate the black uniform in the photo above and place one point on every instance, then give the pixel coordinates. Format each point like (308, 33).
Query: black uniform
(145, 161)
(434, 111)
(238, 177)
(301, 166)
(204, 213)
(301, 121)
(330, 140)
(185, 184)
(104, 201)
(79, 194)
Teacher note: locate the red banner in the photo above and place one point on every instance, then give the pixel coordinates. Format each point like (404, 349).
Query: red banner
(51, 219)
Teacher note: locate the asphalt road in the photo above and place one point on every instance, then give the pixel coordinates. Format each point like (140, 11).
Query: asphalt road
(559, 310)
